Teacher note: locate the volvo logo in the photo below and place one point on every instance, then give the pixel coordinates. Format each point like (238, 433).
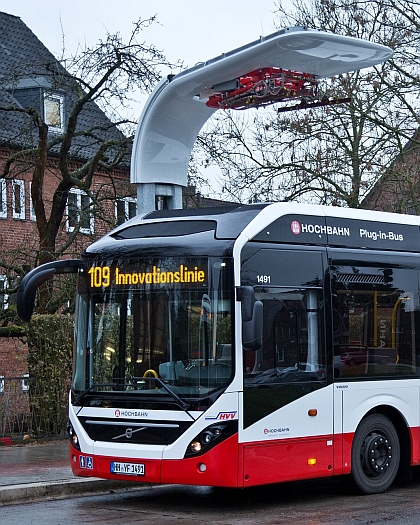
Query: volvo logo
(128, 434)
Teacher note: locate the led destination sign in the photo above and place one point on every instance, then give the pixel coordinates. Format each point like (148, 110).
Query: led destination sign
(104, 276)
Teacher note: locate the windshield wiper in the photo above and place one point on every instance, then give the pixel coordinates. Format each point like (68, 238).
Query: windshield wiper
(180, 402)
(83, 394)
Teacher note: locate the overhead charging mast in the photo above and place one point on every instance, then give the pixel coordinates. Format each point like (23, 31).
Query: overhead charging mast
(282, 68)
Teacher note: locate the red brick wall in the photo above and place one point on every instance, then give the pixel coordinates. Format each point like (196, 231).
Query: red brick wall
(13, 355)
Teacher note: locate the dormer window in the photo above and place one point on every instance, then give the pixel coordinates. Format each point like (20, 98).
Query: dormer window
(54, 112)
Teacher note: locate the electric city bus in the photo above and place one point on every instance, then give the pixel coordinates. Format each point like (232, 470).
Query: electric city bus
(246, 345)
(249, 344)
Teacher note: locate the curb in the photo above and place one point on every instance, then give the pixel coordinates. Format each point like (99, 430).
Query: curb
(29, 492)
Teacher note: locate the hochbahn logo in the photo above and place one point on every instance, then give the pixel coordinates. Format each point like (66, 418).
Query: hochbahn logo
(273, 431)
(318, 229)
(130, 413)
(364, 234)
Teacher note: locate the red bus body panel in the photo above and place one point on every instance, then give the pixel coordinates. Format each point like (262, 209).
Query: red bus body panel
(233, 464)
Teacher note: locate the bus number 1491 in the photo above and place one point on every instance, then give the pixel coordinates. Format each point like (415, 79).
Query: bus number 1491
(264, 279)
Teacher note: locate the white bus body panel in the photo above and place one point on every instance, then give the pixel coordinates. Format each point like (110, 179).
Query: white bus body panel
(224, 409)
(293, 420)
(359, 397)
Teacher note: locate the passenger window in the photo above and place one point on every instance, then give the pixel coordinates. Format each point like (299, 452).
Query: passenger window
(374, 314)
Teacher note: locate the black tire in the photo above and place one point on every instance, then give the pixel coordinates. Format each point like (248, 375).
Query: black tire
(375, 455)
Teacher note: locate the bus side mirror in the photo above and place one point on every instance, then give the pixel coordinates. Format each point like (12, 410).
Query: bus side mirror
(25, 300)
(252, 317)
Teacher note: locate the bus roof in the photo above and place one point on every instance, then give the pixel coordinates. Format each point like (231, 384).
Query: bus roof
(286, 222)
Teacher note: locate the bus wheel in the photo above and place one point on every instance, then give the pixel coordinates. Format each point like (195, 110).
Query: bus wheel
(375, 455)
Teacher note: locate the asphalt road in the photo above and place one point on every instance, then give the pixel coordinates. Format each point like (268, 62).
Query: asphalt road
(321, 502)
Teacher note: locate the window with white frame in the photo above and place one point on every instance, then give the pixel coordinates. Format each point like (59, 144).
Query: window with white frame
(18, 199)
(4, 298)
(54, 112)
(25, 383)
(32, 215)
(3, 199)
(125, 208)
(79, 213)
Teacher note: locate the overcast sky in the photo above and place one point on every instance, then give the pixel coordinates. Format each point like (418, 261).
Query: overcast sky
(192, 31)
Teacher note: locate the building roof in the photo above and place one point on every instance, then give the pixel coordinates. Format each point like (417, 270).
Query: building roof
(28, 71)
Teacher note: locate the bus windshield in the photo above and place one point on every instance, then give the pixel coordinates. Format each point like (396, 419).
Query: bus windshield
(154, 327)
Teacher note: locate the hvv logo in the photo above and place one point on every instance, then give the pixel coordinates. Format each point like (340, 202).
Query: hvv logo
(223, 416)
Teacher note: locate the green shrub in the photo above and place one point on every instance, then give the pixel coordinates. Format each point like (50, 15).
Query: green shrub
(50, 345)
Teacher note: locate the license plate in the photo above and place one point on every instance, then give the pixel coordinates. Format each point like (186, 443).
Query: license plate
(128, 469)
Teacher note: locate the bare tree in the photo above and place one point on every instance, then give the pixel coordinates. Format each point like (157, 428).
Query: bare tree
(108, 72)
(336, 153)
(97, 84)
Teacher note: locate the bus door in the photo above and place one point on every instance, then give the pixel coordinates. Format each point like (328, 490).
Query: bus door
(287, 423)
(375, 307)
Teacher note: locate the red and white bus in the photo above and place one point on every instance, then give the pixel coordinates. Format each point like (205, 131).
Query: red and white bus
(246, 345)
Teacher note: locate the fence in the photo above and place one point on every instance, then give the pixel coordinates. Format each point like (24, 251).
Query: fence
(26, 408)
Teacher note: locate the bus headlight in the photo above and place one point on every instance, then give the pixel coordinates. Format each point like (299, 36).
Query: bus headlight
(195, 446)
(209, 437)
(73, 436)
(206, 437)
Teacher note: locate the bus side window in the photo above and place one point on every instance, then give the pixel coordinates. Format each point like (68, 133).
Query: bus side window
(374, 313)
